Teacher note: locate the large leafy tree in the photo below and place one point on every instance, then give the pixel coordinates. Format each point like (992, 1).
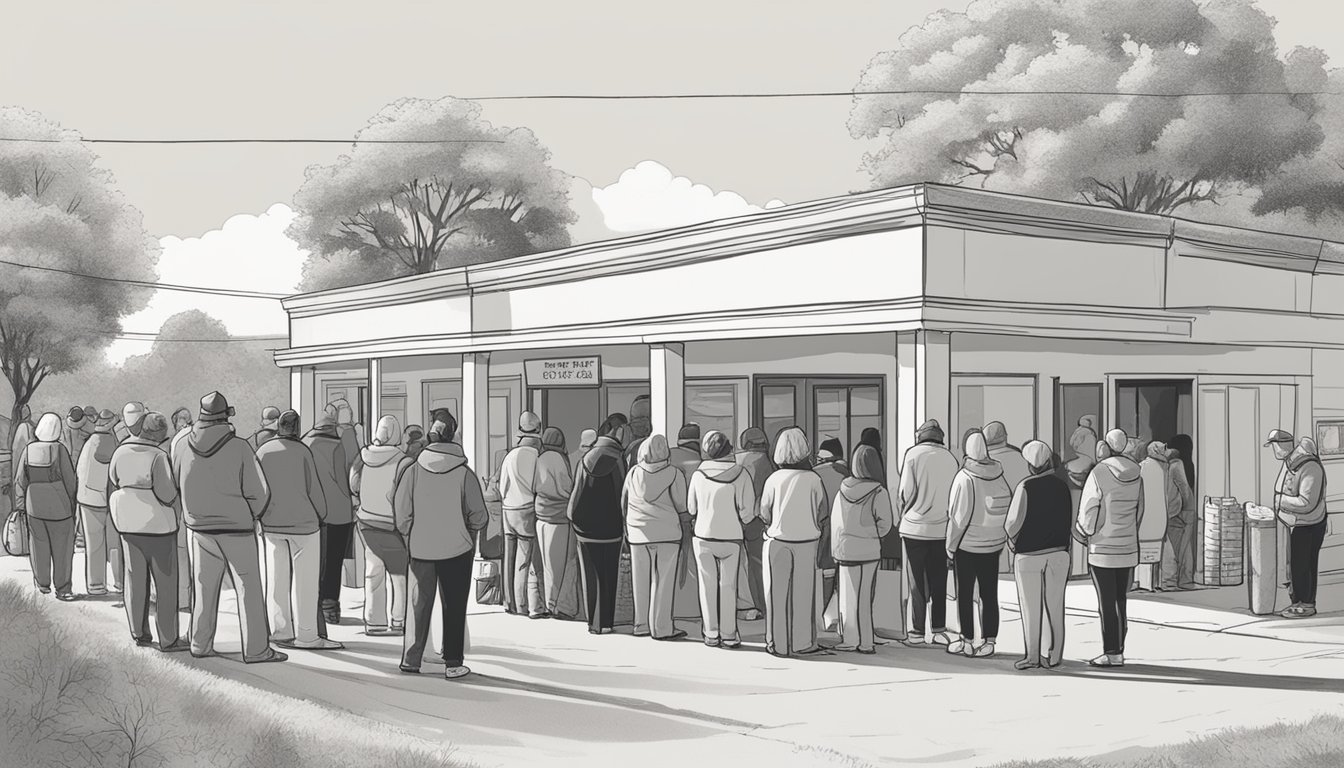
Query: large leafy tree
(61, 215)
(428, 185)
(1130, 152)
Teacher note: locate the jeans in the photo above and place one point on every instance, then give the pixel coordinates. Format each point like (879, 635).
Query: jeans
(926, 564)
(524, 579)
(856, 583)
(1112, 588)
(978, 569)
(151, 559)
(212, 556)
(1304, 560)
(718, 565)
(790, 587)
(386, 562)
(52, 544)
(1178, 553)
(335, 544)
(293, 562)
(601, 564)
(451, 578)
(559, 568)
(1041, 580)
(102, 548)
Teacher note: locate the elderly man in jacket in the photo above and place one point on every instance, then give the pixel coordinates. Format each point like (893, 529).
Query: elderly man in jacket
(223, 493)
(102, 546)
(1299, 501)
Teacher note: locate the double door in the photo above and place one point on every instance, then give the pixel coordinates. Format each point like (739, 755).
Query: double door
(824, 407)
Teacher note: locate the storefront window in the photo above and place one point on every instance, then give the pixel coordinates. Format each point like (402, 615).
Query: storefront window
(778, 411)
(713, 407)
(393, 405)
(844, 412)
(1330, 437)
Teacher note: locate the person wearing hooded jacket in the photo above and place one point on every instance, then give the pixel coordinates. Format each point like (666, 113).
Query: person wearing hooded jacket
(439, 507)
(1109, 516)
(524, 579)
(721, 500)
(555, 536)
(685, 456)
(1015, 468)
(754, 456)
(653, 500)
(1299, 502)
(860, 517)
(338, 524)
(102, 545)
(927, 471)
(223, 491)
(793, 506)
(1178, 558)
(595, 513)
(45, 487)
(976, 532)
(373, 479)
(1039, 519)
(1162, 500)
(832, 470)
(78, 429)
(268, 428)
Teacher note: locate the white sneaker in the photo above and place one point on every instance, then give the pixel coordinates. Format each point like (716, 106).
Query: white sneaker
(1108, 660)
(915, 640)
(984, 650)
(960, 648)
(941, 638)
(453, 673)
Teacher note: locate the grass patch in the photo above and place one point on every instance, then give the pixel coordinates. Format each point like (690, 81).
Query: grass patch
(69, 699)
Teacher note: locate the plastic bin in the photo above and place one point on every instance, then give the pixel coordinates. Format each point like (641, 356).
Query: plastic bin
(1262, 559)
(1224, 542)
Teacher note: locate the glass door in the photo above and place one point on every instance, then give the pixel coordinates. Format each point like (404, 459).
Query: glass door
(838, 406)
(844, 411)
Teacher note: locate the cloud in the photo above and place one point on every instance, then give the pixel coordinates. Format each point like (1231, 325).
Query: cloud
(250, 253)
(649, 196)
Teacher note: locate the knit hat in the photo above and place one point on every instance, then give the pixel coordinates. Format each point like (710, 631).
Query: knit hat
(1117, 441)
(215, 408)
(75, 419)
(871, 437)
(1038, 455)
(132, 414)
(106, 417)
(388, 431)
(154, 427)
(976, 448)
(269, 415)
(553, 439)
(90, 412)
(716, 445)
(995, 434)
(641, 408)
(753, 437)
(529, 424)
(586, 438)
(929, 432)
(689, 433)
(287, 424)
(326, 420)
(831, 448)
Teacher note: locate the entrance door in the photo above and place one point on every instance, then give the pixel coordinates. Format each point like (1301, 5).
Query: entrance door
(571, 411)
(1155, 409)
(824, 407)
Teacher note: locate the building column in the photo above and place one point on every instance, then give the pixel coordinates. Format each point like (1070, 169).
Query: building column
(303, 393)
(667, 389)
(475, 416)
(924, 383)
(375, 404)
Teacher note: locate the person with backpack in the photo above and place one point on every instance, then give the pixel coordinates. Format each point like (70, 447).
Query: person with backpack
(860, 517)
(45, 488)
(653, 500)
(1109, 515)
(374, 482)
(1039, 518)
(1299, 502)
(721, 501)
(976, 532)
(595, 513)
(102, 545)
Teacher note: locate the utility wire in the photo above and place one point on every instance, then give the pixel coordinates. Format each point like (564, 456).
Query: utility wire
(84, 140)
(156, 286)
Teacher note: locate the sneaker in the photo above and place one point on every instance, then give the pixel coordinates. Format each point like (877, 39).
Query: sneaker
(97, 592)
(205, 655)
(177, 646)
(713, 642)
(542, 615)
(914, 641)
(44, 590)
(983, 650)
(271, 655)
(1024, 664)
(1107, 660)
(321, 644)
(941, 638)
(751, 614)
(397, 629)
(732, 643)
(641, 633)
(379, 632)
(676, 635)
(66, 597)
(453, 673)
(143, 642)
(960, 648)
(868, 651)
(846, 648)
(405, 670)
(1299, 611)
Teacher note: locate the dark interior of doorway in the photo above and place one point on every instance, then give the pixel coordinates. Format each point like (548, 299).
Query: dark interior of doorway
(1156, 409)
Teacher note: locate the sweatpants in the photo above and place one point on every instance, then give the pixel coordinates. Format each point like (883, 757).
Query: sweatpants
(601, 566)
(335, 544)
(1112, 589)
(52, 547)
(1041, 580)
(102, 548)
(293, 562)
(653, 575)
(524, 580)
(856, 583)
(1304, 561)
(559, 568)
(926, 569)
(451, 578)
(212, 556)
(386, 562)
(1178, 554)
(753, 568)
(151, 559)
(790, 587)
(978, 569)
(717, 563)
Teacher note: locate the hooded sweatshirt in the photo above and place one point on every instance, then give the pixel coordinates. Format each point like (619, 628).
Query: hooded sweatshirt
(1110, 511)
(140, 489)
(334, 471)
(76, 434)
(438, 505)
(758, 465)
(297, 504)
(793, 505)
(373, 478)
(654, 496)
(1161, 496)
(978, 506)
(518, 486)
(925, 491)
(860, 517)
(721, 499)
(261, 437)
(45, 484)
(223, 487)
(92, 467)
(555, 481)
(1299, 492)
(595, 506)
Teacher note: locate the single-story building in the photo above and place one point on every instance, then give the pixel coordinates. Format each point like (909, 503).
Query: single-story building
(880, 309)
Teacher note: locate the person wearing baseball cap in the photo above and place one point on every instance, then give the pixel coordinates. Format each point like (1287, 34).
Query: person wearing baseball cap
(517, 488)
(129, 426)
(1299, 502)
(102, 545)
(78, 428)
(269, 416)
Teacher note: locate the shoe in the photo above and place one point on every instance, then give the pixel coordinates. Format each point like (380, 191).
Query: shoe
(914, 641)
(751, 614)
(941, 638)
(143, 641)
(116, 591)
(677, 635)
(642, 633)
(405, 670)
(1107, 660)
(283, 642)
(868, 651)
(846, 648)
(380, 632)
(983, 650)
(1024, 664)
(817, 650)
(97, 592)
(66, 597)
(1050, 660)
(542, 615)
(270, 656)
(44, 590)
(205, 655)
(1299, 611)
(397, 629)
(453, 673)
(713, 642)
(321, 644)
(177, 646)
(960, 648)
(732, 643)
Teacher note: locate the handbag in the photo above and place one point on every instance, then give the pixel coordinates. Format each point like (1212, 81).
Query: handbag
(16, 534)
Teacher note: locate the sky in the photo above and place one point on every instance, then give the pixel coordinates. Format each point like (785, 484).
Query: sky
(139, 69)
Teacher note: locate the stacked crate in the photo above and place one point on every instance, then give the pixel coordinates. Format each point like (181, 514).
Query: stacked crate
(1224, 542)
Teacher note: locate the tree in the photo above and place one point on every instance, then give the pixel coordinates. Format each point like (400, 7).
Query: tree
(460, 192)
(60, 213)
(1129, 152)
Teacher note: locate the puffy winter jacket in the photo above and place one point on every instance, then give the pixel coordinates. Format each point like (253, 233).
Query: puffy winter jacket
(722, 499)
(438, 504)
(45, 484)
(860, 517)
(925, 491)
(92, 469)
(140, 489)
(1299, 492)
(222, 484)
(978, 506)
(1110, 512)
(554, 485)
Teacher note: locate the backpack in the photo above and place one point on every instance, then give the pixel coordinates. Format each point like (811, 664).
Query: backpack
(490, 540)
(16, 534)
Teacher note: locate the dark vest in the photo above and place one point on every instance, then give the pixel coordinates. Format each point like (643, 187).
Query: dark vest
(1049, 516)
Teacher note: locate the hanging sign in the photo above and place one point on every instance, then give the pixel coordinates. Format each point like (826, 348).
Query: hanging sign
(564, 372)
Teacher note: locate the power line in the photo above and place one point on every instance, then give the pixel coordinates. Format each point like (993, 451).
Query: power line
(84, 140)
(147, 284)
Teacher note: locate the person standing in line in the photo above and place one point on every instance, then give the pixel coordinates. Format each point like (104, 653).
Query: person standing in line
(721, 499)
(141, 497)
(754, 457)
(338, 524)
(636, 429)
(555, 537)
(181, 428)
(374, 482)
(833, 471)
(414, 440)
(524, 579)
(976, 532)
(78, 429)
(23, 435)
(792, 506)
(685, 456)
(1109, 517)
(45, 486)
(350, 433)
(1178, 558)
(1015, 467)
(860, 517)
(1299, 502)
(291, 527)
(595, 513)
(1162, 501)
(1039, 519)
(586, 439)
(653, 500)
(439, 507)
(267, 431)
(102, 545)
(129, 424)
(927, 472)
(223, 493)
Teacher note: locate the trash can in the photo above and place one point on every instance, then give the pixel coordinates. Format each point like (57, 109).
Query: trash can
(1262, 565)
(1224, 542)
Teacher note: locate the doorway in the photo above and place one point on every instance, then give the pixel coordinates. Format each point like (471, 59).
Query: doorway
(1155, 409)
(574, 409)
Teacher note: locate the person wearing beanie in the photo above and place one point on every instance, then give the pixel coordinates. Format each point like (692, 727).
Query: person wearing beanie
(78, 429)
(1039, 519)
(753, 456)
(586, 439)
(1015, 468)
(291, 527)
(555, 537)
(1162, 501)
(1299, 503)
(860, 516)
(793, 508)
(922, 502)
(141, 503)
(45, 487)
(832, 470)
(654, 501)
(180, 428)
(269, 416)
(1109, 516)
(596, 516)
(638, 427)
(373, 480)
(224, 492)
(413, 440)
(338, 524)
(721, 500)
(976, 532)
(524, 578)
(685, 457)
(102, 545)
